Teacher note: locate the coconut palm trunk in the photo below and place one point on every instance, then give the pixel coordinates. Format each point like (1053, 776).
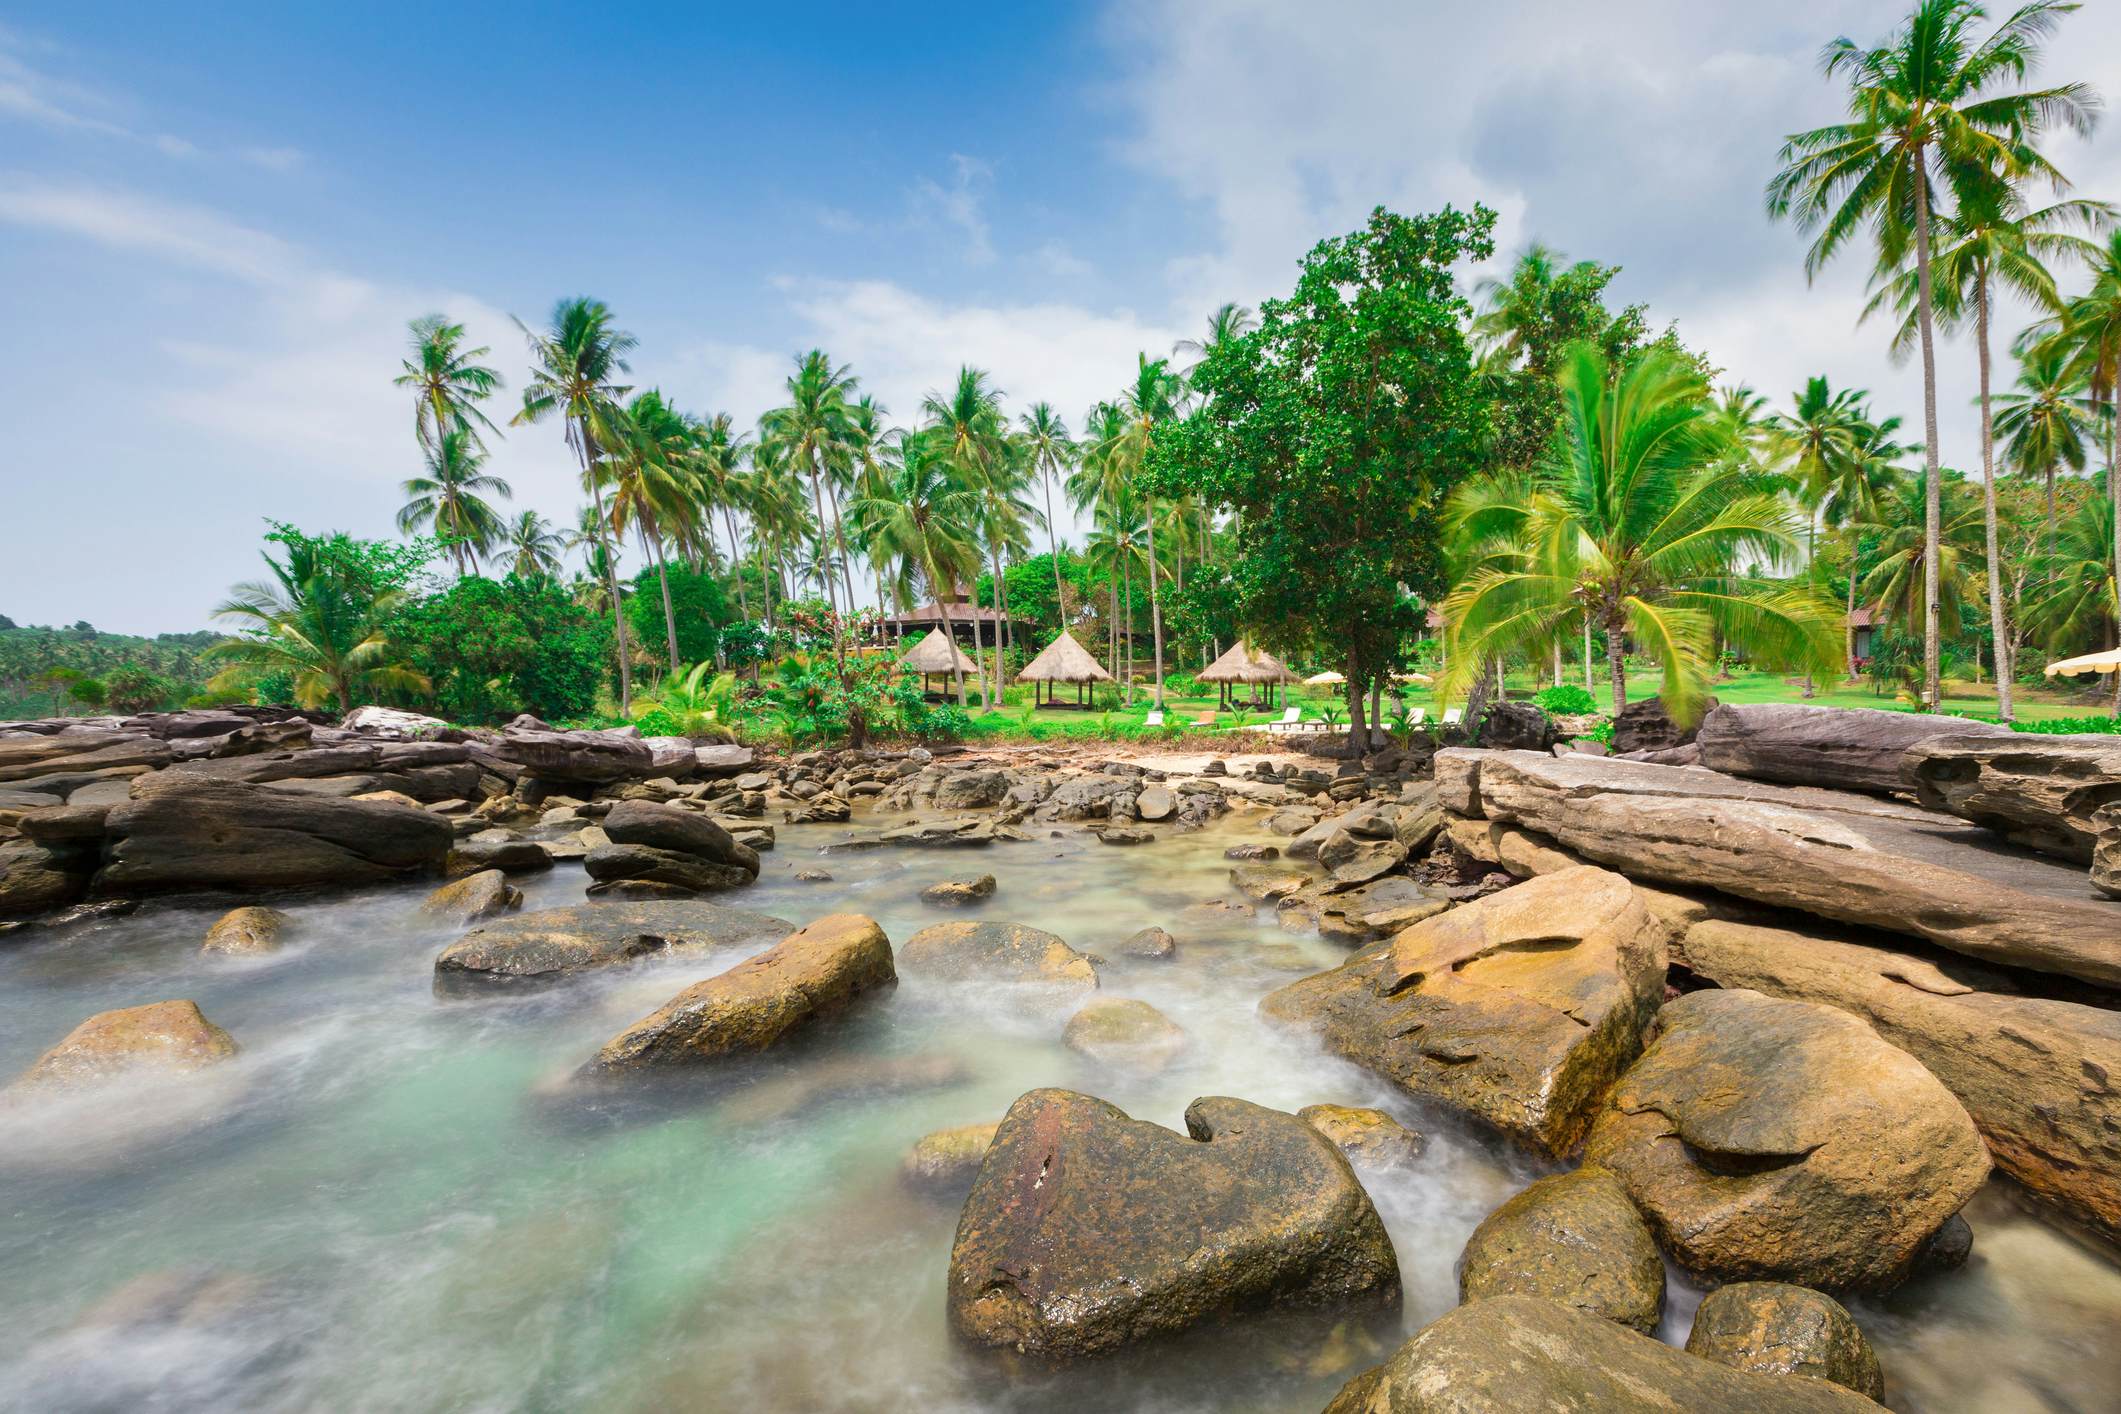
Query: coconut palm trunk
(1932, 477)
(662, 574)
(994, 556)
(587, 447)
(1156, 611)
(1999, 636)
(1616, 643)
(957, 673)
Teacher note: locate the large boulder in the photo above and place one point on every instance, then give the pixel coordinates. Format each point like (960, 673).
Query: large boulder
(2033, 1072)
(1576, 1239)
(2039, 791)
(185, 831)
(1086, 1231)
(2106, 851)
(643, 871)
(971, 790)
(1773, 1328)
(1520, 1009)
(36, 878)
(1516, 726)
(486, 894)
(391, 722)
(1841, 748)
(1370, 1138)
(1522, 1355)
(943, 1163)
(162, 1037)
(717, 761)
(1784, 1141)
(665, 827)
(1644, 725)
(249, 931)
(1829, 853)
(808, 976)
(584, 758)
(556, 942)
(1124, 1033)
(996, 952)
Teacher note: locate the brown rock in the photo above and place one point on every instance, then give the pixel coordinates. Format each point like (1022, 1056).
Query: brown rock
(1521, 1009)
(1124, 1032)
(1574, 1239)
(1370, 1138)
(166, 1037)
(952, 893)
(1153, 944)
(1840, 748)
(1780, 1140)
(246, 931)
(994, 951)
(1775, 1329)
(486, 894)
(1267, 883)
(2039, 791)
(555, 942)
(944, 1163)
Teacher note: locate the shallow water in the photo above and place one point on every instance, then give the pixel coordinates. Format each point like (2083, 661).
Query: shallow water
(392, 1201)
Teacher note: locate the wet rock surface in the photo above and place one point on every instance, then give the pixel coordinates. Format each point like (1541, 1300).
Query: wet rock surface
(486, 894)
(1574, 1239)
(954, 893)
(943, 1163)
(1124, 1033)
(1371, 1139)
(552, 943)
(995, 951)
(1087, 1231)
(1776, 1329)
(246, 932)
(1777, 1140)
(161, 1037)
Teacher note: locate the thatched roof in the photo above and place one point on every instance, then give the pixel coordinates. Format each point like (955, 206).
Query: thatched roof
(1244, 663)
(936, 654)
(1063, 660)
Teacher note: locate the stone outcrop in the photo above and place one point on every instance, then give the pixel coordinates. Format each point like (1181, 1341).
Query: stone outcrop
(1150, 944)
(808, 976)
(582, 758)
(1840, 748)
(35, 878)
(249, 931)
(1574, 1239)
(390, 722)
(2106, 851)
(183, 831)
(1518, 1354)
(1516, 726)
(2040, 1077)
(1087, 1231)
(1520, 1009)
(1644, 725)
(953, 893)
(1773, 1328)
(971, 790)
(162, 1037)
(1124, 1033)
(2042, 792)
(555, 942)
(1370, 1138)
(1780, 1140)
(996, 952)
(655, 844)
(943, 1164)
(1828, 853)
(486, 894)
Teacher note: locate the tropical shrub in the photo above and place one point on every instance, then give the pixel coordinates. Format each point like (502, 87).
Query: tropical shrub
(699, 607)
(496, 647)
(1565, 699)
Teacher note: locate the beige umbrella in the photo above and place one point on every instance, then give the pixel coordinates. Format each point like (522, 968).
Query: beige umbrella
(1328, 678)
(2105, 662)
(1423, 678)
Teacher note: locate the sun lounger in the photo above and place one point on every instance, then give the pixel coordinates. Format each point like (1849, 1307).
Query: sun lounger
(1452, 716)
(1418, 716)
(1154, 719)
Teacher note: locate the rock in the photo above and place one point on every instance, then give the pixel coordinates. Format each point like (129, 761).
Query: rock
(1087, 1231)
(994, 951)
(486, 894)
(839, 1079)
(582, 758)
(1644, 725)
(1775, 1329)
(165, 1037)
(1268, 884)
(971, 790)
(35, 878)
(619, 868)
(808, 976)
(2106, 851)
(1420, 820)
(246, 931)
(1372, 859)
(1828, 853)
(183, 831)
(1124, 1033)
(1115, 835)
(1521, 1009)
(687, 832)
(1371, 1139)
(1780, 1140)
(1574, 1239)
(1457, 781)
(714, 762)
(1516, 726)
(1519, 1354)
(390, 722)
(2038, 791)
(951, 893)
(1840, 748)
(944, 1163)
(812, 876)
(1290, 822)
(753, 781)
(555, 942)
(1252, 852)
(510, 856)
(2034, 1073)
(1155, 803)
(1153, 944)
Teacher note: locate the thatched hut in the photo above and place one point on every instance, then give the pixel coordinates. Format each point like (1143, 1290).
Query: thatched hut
(933, 655)
(1062, 660)
(1246, 664)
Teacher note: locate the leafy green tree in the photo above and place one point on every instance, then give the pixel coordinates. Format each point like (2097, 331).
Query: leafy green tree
(808, 436)
(2074, 609)
(1146, 404)
(2048, 419)
(1334, 432)
(655, 489)
(969, 425)
(491, 648)
(1927, 119)
(1044, 435)
(926, 522)
(1526, 320)
(695, 606)
(136, 690)
(1898, 579)
(1639, 515)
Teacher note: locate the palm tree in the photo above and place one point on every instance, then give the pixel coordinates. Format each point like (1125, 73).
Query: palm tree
(573, 365)
(1045, 440)
(719, 452)
(534, 547)
(2075, 606)
(1816, 442)
(1638, 514)
(1896, 584)
(317, 622)
(924, 521)
(1095, 485)
(808, 435)
(1229, 323)
(2090, 329)
(448, 384)
(448, 500)
(1116, 547)
(974, 434)
(2049, 419)
(1853, 496)
(1145, 404)
(655, 489)
(1926, 119)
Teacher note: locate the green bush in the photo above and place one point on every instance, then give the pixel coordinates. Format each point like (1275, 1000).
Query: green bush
(699, 607)
(1566, 699)
(493, 648)
(947, 723)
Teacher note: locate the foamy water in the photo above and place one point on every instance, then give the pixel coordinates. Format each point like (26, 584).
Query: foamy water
(393, 1201)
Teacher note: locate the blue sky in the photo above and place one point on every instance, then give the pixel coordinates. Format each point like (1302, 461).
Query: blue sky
(215, 221)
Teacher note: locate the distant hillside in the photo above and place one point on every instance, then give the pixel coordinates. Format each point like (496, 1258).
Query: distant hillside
(47, 670)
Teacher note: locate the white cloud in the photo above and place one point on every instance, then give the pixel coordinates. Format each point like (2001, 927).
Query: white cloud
(274, 159)
(191, 236)
(1057, 260)
(960, 203)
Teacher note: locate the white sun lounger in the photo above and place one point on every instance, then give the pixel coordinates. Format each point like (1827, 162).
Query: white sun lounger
(1417, 716)
(1154, 719)
(1452, 716)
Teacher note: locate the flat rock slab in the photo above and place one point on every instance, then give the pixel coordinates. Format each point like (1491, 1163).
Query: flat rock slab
(2039, 1076)
(1087, 1231)
(808, 976)
(1520, 1009)
(2043, 792)
(1522, 1355)
(1831, 854)
(1841, 748)
(1784, 1141)
(552, 943)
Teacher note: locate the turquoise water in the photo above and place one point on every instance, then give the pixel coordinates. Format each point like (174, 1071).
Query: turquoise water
(394, 1201)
